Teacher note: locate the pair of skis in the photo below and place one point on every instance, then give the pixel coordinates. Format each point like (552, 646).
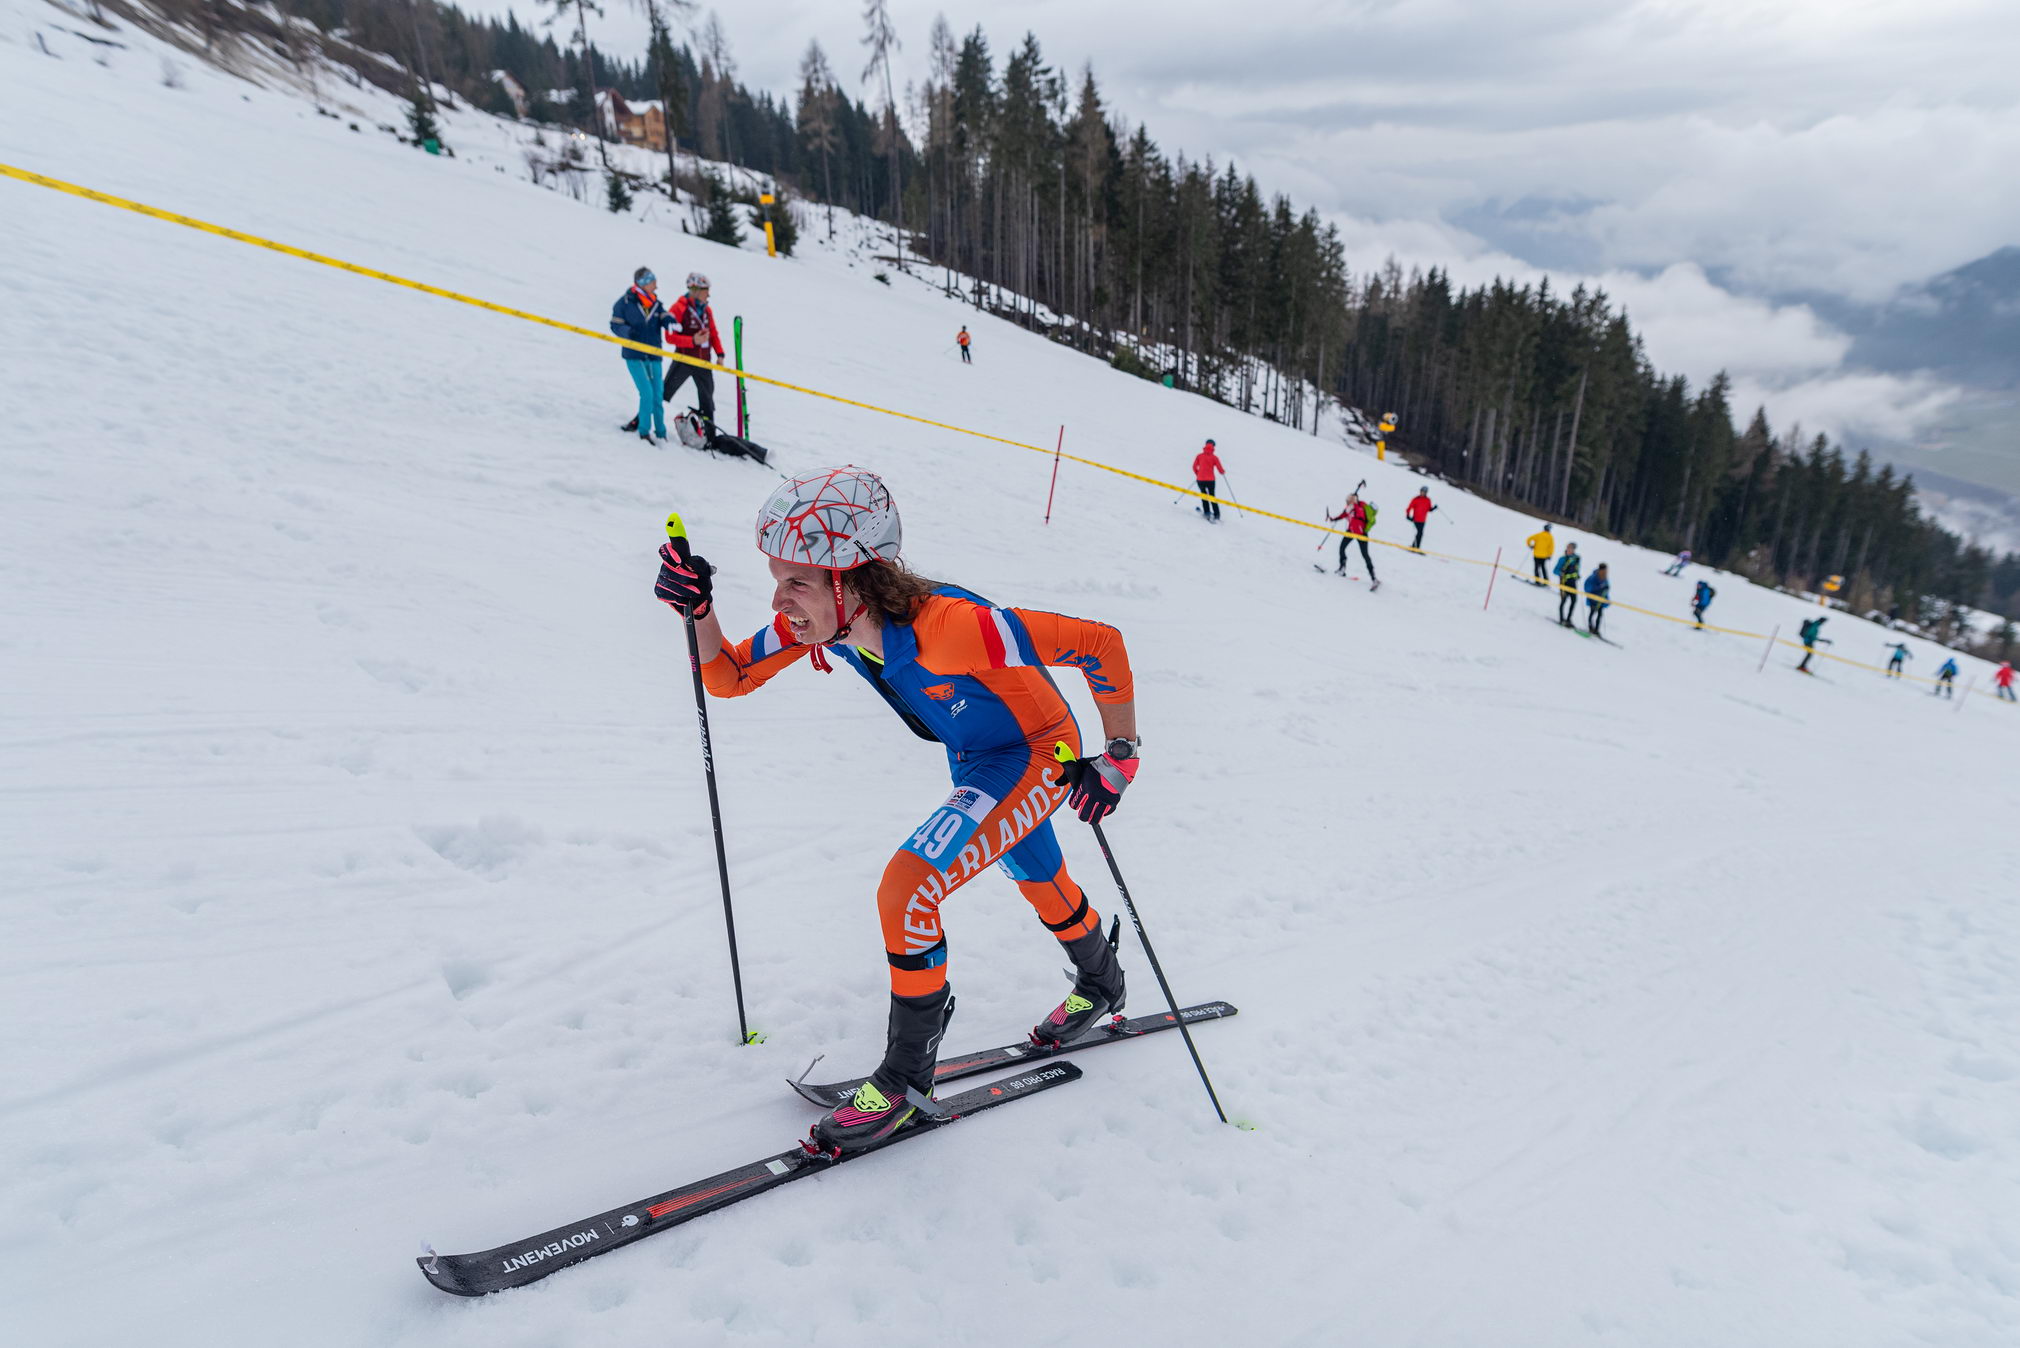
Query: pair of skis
(529, 1260)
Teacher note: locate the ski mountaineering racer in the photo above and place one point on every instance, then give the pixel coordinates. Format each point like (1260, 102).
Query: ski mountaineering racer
(1417, 512)
(1206, 466)
(1541, 545)
(962, 671)
(1566, 571)
(1356, 515)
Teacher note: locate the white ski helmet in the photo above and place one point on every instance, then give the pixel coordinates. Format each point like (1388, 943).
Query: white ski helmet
(697, 280)
(838, 518)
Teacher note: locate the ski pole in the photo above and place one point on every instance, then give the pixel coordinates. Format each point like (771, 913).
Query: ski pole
(1065, 755)
(677, 533)
(1230, 496)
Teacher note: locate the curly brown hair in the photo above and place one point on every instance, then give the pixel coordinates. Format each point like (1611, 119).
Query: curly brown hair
(891, 590)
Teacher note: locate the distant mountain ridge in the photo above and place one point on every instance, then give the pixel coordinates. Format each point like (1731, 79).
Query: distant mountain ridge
(1963, 324)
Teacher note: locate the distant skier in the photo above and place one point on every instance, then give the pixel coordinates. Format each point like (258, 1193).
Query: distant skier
(1542, 544)
(1700, 601)
(1417, 512)
(1566, 572)
(959, 670)
(1896, 663)
(2002, 680)
(694, 334)
(1676, 567)
(1946, 679)
(1206, 466)
(1808, 631)
(638, 316)
(1596, 591)
(1355, 516)
(966, 359)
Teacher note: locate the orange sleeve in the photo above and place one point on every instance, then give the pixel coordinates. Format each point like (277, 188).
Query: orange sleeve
(1095, 649)
(748, 665)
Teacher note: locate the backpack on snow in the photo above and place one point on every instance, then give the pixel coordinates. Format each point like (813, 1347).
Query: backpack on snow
(696, 433)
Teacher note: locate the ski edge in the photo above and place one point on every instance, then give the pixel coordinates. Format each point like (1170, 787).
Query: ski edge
(957, 1067)
(528, 1261)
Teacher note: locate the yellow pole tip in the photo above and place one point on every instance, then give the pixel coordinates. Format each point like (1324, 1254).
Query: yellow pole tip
(674, 527)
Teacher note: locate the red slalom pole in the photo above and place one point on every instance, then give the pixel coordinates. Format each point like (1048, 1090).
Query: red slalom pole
(1057, 450)
(1490, 580)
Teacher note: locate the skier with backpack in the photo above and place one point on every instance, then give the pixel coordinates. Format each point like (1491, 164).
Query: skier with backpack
(1417, 512)
(1566, 572)
(1946, 679)
(1700, 601)
(1206, 465)
(1808, 632)
(1359, 518)
(1597, 591)
(959, 670)
(694, 334)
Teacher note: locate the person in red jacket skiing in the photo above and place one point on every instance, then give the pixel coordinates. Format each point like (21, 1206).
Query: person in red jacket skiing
(2003, 681)
(1205, 466)
(1354, 514)
(1417, 512)
(693, 333)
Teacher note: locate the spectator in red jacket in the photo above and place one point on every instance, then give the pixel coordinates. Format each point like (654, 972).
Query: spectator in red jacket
(693, 334)
(1417, 512)
(1205, 466)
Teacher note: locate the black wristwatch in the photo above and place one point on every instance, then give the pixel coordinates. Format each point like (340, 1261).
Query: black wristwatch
(1122, 748)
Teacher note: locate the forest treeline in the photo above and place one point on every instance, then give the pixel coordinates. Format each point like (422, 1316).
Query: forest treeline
(1043, 203)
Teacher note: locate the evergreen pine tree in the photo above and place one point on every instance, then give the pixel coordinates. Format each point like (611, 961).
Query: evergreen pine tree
(616, 194)
(722, 226)
(421, 118)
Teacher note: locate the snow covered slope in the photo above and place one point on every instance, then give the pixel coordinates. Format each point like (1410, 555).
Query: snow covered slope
(358, 887)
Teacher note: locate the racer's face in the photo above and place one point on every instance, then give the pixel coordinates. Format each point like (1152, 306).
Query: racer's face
(806, 598)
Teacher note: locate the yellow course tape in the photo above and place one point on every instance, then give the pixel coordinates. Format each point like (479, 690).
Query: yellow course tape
(239, 236)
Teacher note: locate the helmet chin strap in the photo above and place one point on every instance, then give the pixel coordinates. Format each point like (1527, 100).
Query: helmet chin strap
(844, 620)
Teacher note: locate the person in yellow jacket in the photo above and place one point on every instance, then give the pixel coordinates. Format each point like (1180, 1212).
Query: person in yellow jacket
(1542, 543)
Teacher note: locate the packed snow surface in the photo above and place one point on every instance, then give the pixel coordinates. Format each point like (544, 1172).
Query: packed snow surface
(359, 888)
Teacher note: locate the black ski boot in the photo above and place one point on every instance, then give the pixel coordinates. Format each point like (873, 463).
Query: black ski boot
(1098, 990)
(882, 1104)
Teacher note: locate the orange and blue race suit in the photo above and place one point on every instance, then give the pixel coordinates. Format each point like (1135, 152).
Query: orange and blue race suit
(972, 676)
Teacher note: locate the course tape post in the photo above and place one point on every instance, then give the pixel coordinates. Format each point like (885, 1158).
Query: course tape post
(289, 250)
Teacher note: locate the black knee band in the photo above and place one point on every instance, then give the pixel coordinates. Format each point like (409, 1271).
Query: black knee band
(925, 959)
(1079, 916)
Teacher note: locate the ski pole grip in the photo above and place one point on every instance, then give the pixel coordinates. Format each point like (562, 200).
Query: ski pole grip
(676, 533)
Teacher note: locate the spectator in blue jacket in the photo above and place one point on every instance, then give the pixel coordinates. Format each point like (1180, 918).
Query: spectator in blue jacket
(1596, 591)
(638, 316)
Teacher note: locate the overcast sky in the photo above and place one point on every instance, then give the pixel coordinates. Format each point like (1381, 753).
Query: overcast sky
(1706, 160)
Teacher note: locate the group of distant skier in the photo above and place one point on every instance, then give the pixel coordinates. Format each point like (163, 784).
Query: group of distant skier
(1566, 576)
